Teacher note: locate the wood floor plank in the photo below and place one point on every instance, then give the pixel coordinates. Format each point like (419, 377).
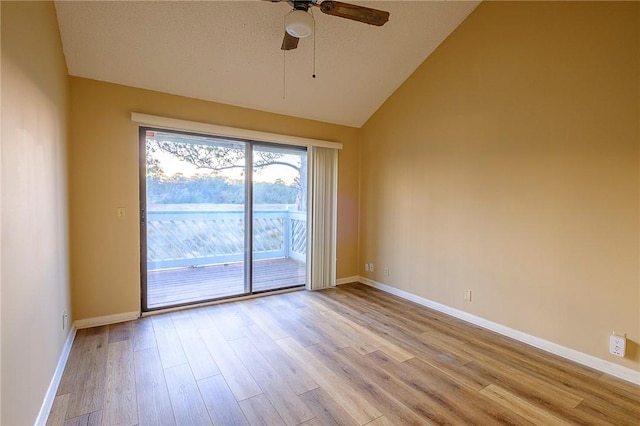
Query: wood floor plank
(326, 332)
(446, 343)
(297, 378)
(631, 390)
(67, 384)
(286, 402)
(455, 373)
(120, 403)
(601, 396)
(534, 414)
(293, 323)
(411, 342)
(379, 342)
(95, 418)
(443, 358)
(121, 331)
(90, 419)
(520, 382)
(263, 320)
(380, 421)
(236, 375)
(572, 380)
(350, 400)
(200, 317)
(406, 314)
(609, 388)
(411, 394)
(259, 411)
(291, 299)
(220, 402)
(535, 358)
(557, 402)
(338, 333)
(445, 399)
(377, 328)
(89, 380)
(312, 422)
(314, 301)
(58, 412)
(598, 409)
(154, 404)
(143, 334)
(326, 409)
(230, 320)
(383, 395)
(498, 363)
(198, 356)
(186, 401)
(169, 346)
(82, 420)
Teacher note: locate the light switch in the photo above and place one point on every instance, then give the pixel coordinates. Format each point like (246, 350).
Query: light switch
(121, 211)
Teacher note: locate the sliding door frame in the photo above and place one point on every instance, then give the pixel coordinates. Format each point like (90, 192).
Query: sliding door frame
(248, 216)
(142, 169)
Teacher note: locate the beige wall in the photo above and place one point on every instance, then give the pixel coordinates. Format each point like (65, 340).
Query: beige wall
(508, 164)
(103, 171)
(35, 288)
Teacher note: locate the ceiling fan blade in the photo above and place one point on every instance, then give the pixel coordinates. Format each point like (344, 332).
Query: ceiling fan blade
(354, 12)
(289, 42)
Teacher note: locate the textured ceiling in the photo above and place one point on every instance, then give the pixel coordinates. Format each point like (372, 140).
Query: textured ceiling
(229, 52)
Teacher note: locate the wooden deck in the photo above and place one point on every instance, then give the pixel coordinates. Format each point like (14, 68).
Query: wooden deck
(185, 285)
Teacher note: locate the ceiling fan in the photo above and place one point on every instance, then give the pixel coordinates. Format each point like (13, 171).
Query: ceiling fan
(299, 22)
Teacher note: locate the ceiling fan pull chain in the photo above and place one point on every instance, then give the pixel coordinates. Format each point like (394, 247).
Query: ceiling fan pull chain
(284, 73)
(314, 45)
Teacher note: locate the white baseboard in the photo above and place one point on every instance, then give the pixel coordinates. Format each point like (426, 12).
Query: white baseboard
(554, 348)
(107, 319)
(45, 409)
(348, 280)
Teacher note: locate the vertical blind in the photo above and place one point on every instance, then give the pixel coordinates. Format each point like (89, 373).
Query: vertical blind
(323, 215)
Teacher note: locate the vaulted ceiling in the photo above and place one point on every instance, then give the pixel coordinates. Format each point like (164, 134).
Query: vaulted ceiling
(229, 52)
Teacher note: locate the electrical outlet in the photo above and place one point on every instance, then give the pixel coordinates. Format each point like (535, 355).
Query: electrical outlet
(65, 319)
(617, 344)
(366, 267)
(386, 271)
(467, 295)
(122, 212)
(371, 267)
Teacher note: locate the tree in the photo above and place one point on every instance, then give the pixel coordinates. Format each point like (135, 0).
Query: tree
(224, 157)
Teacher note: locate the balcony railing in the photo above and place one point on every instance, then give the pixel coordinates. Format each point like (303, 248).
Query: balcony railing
(187, 239)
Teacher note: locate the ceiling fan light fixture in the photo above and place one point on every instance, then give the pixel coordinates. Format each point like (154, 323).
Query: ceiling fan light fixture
(299, 23)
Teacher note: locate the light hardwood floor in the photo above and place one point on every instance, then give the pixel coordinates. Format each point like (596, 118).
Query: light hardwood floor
(346, 356)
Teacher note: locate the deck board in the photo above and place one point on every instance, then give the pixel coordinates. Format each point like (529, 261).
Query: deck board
(185, 285)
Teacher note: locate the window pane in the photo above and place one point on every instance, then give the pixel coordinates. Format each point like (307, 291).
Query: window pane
(279, 217)
(195, 218)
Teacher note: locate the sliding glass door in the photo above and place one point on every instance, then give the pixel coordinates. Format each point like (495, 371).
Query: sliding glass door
(219, 218)
(279, 217)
